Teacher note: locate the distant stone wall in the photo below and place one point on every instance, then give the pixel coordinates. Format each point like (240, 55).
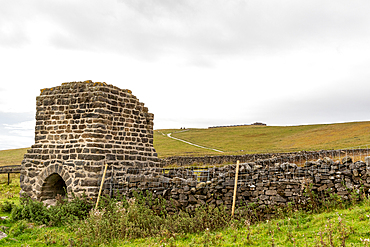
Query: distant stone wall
(261, 182)
(293, 157)
(79, 127)
(238, 125)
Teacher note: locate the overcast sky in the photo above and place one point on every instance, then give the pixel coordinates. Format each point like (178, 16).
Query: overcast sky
(194, 63)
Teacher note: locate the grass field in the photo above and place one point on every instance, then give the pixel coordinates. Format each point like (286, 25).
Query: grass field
(12, 156)
(263, 139)
(246, 139)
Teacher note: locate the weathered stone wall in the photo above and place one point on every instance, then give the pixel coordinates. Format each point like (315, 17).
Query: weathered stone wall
(79, 127)
(263, 182)
(293, 157)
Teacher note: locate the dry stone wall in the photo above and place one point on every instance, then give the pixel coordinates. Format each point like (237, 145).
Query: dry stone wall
(79, 127)
(292, 157)
(262, 182)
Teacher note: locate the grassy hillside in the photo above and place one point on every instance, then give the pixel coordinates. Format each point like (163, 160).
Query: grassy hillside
(12, 156)
(246, 139)
(264, 139)
(166, 146)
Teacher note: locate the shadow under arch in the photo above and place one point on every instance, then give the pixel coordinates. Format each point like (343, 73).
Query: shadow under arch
(52, 186)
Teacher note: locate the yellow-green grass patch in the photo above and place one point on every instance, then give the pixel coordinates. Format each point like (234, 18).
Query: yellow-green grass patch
(12, 156)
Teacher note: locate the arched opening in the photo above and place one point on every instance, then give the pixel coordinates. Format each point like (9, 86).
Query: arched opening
(52, 186)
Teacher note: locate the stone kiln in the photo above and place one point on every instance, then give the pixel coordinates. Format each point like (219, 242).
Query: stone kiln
(79, 127)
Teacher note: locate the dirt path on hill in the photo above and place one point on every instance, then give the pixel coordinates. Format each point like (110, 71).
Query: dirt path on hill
(193, 144)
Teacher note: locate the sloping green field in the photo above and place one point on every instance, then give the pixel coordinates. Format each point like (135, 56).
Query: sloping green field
(12, 156)
(246, 139)
(263, 139)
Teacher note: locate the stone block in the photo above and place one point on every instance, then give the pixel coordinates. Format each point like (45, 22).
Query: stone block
(192, 199)
(270, 192)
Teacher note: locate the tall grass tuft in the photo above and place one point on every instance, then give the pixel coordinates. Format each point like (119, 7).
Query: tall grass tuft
(139, 217)
(63, 213)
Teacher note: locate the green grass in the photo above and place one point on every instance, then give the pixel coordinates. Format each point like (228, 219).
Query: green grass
(12, 156)
(11, 191)
(336, 226)
(264, 139)
(298, 229)
(166, 146)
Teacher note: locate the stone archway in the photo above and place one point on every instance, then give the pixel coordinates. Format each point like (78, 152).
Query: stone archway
(53, 185)
(53, 180)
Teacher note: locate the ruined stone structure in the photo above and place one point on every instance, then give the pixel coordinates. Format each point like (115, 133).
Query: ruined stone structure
(80, 126)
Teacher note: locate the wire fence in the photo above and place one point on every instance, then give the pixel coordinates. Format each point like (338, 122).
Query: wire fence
(297, 157)
(297, 167)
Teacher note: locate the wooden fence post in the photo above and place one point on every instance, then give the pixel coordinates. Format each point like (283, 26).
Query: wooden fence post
(235, 188)
(101, 185)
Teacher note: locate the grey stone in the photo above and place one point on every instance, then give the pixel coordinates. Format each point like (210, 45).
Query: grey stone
(278, 198)
(346, 160)
(89, 182)
(347, 172)
(328, 161)
(183, 197)
(349, 185)
(355, 173)
(271, 192)
(321, 188)
(192, 199)
(367, 161)
(288, 193)
(3, 235)
(264, 197)
(50, 202)
(201, 185)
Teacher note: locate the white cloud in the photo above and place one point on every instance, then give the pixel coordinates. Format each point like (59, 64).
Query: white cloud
(209, 29)
(16, 130)
(193, 63)
(21, 129)
(13, 142)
